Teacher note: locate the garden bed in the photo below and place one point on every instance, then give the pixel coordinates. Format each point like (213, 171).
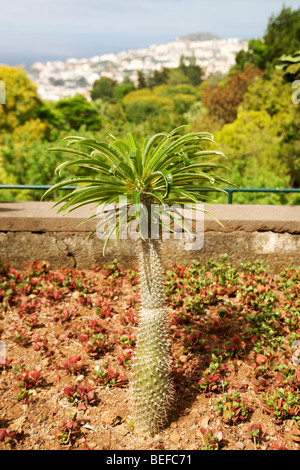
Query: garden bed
(67, 344)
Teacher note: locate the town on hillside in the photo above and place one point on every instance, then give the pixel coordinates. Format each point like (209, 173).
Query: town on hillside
(58, 79)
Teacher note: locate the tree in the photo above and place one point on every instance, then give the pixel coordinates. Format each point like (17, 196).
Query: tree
(104, 88)
(77, 112)
(24, 159)
(22, 100)
(258, 152)
(158, 174)
(50, 113)
(141, 80)
(272, 95)
(122, 89)
(192, 71)
(183, 96)
(263, 140)
(186, 73)
(223, 99)
(158, 77)
(176, 76)
(256, 55)
(159, 106)
(281, 37)
(290, 145)
(283, 33)
(149, 107)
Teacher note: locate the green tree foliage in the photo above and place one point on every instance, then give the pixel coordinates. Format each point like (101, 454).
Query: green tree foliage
(161, 104)
(192, 71)
(49, 113)
(103, 88)
(283, 33)
(256, 55)
(157, 77)
(141, 80)
(263, 141)
(110, 90)
(145, 105)
(27, 125)
(22, 100)
(186, 73)
(122, 89)
(254, 161)
(272, 95)
(78, 112)
(23, 133)
(23, 154)
(282, 36)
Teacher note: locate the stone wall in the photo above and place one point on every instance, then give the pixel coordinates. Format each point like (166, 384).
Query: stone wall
(33, 231)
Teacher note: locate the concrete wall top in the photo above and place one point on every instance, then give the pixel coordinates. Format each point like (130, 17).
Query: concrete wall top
(42, 217)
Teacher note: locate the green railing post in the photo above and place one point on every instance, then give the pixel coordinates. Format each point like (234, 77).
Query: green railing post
(230, 193)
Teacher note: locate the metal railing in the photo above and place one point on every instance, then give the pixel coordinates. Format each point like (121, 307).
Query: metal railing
(230, 191)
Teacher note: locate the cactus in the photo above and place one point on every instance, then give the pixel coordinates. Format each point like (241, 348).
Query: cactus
(151, 387)
(162, 171)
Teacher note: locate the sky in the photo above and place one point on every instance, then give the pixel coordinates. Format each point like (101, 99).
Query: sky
(42, 30)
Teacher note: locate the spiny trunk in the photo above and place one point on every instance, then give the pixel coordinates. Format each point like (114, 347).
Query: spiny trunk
(152, 390)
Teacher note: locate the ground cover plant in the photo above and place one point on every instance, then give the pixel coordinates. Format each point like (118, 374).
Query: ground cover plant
(68, 339)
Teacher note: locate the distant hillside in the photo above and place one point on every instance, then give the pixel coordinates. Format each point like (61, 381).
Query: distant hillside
(199, 37)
